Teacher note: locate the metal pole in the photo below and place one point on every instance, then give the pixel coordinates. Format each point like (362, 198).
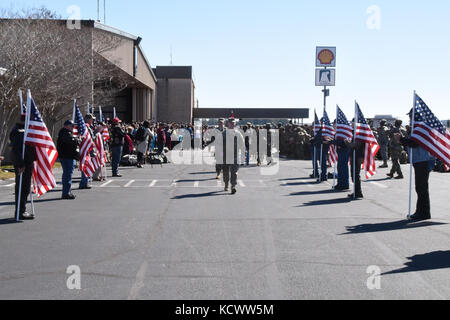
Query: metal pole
(411, 157)
(19, 198)
(335, 150)
(321, 125)
(354, 153)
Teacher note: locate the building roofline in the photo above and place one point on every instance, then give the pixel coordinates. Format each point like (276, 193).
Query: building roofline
(148, 63)
(104, 27)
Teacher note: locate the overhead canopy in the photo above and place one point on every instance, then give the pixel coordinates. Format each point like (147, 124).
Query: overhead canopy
(251, 113)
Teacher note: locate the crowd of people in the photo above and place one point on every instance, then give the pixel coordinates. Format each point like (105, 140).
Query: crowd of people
(147, 139)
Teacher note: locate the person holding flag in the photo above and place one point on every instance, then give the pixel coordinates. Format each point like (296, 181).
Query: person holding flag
(36, 160)
(88, 165)
(101, 155)
(343, 132)
(365, 147)
(23, 160)
(68, 149)
(429, 139)
(314, 150)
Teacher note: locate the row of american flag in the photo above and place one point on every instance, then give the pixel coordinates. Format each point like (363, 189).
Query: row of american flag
(37, 135)
(427, 131)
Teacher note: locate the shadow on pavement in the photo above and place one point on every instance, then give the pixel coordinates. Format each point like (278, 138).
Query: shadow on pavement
(309, 193)
(12, 203)
(422, 262)
(294, 179)
(325, 202)
(198, 195)
(213, 172)
(299, 183)
(9, 221)
(389, 226)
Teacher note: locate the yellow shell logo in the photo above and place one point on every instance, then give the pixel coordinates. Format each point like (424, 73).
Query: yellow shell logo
(326, 56)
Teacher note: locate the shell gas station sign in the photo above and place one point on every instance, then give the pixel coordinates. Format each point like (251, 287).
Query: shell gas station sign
(326, 57)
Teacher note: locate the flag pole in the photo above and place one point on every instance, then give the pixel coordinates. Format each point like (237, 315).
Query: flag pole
(19, 198)
(314, 148)
(411, 156)
(74, 104)
(321, 149)
(335, 149)
(354, 150)
(21, 108)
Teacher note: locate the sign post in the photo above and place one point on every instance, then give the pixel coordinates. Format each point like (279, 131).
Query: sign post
(325, 59)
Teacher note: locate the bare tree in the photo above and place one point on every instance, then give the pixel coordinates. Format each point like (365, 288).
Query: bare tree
(56, 63)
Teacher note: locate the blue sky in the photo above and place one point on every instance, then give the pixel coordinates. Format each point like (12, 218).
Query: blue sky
(259, 53)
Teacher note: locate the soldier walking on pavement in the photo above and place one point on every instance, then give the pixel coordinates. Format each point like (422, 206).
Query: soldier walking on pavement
(22, 166)
(396, 150)
(219, 165)
(383, 141)
(233, 154)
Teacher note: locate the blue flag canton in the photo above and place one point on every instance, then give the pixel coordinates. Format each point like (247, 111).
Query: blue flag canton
(326, 120)
(341, 118)
(423, 114)
(80, 122)
(316, 119)
(35, 116)
(361, 118)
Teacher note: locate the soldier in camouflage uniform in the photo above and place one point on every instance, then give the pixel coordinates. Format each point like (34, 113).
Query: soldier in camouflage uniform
(396, 150)
(383, 140)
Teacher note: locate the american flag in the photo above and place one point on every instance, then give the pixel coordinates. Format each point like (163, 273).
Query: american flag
(101, 155)
(333, 157)
(106, 135)
(344, 130)
(88, 165)
(430, 133)
(327, 127)
(317, 125)
(364, 134)
(37, 135)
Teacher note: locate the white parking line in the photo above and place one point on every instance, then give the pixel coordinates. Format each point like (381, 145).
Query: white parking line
(105, 184)
(241, 183)
(129, 183)
(153, 183)
(196, 184)
(10, 185)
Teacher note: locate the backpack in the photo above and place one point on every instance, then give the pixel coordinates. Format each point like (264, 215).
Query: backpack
(140, 134)
(128, 160)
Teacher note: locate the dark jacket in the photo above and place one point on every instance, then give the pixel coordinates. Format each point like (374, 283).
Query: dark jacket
(117, 137)
(360, 148)
(67, 145)
(16, 137)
